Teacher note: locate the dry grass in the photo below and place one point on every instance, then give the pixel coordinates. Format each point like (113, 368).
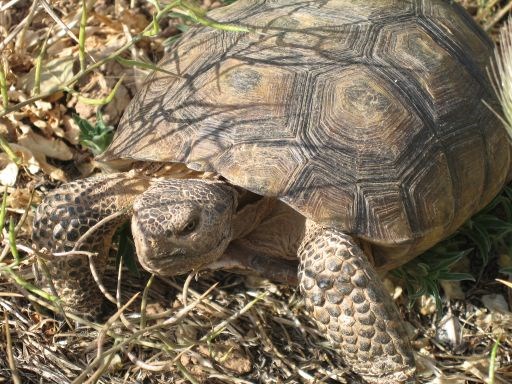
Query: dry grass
(222, 329)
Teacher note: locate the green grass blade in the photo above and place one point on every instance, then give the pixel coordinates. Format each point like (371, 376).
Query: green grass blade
(3, 210)
(142, 64)
(81, 37)
(492, 362)
(203, 20)
(102, 101)
(3, 88)
(8, 150)
(39, 64)
(12, 242)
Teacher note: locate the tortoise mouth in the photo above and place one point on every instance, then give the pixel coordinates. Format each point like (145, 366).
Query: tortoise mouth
(164, 258)
(169, 264)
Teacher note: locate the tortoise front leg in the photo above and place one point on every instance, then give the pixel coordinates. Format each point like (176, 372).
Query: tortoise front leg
(243, 259)
(349, 302)
(65, 215)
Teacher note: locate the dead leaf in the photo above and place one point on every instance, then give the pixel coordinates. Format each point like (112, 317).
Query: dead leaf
(449, 332)
(72, 131)
(135, 20)
(53, 148)
(54, 74)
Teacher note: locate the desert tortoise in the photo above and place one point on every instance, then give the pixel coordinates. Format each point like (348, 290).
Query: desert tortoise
(360, 122)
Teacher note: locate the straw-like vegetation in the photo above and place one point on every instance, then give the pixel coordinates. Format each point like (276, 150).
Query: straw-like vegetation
(67, 71)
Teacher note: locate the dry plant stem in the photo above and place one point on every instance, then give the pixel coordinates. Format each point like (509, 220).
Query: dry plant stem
(20, 35)
(29, 251)
(110, 321)
(25, 213)
(500, 15)
(71, 81)
(90, 255)
(483, 12)
(99, 372)
(500, 74)
(144, 302)
(102, 358)
(181, 313)
(7, 247)
(67, 85)
(147, 366)
(47, 7)
(95, 227)
(133, 52)
(186, 285)
(196, 294)
(10, 358)
(229, 378)
(10, 294)
(220, 327)
(124, 320)
(118, 286)
(507, 283)
(266, 340)
(29, 296)
(8, 5)
(98, 281)
(14, 33)
(61, 310)
(186, 374)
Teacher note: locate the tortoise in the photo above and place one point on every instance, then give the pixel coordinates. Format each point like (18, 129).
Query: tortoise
(348, 134)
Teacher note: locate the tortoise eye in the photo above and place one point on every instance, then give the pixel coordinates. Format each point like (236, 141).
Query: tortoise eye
(187, 229)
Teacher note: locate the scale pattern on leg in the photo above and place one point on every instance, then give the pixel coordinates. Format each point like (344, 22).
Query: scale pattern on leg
(350, 303)
(65, 215)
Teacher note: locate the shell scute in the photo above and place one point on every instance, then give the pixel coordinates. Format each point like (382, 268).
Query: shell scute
(366, 115)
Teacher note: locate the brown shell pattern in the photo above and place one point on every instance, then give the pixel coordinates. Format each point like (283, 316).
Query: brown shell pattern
(362, 114)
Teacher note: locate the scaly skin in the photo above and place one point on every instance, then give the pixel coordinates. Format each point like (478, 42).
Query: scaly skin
(351, 305)
(65, 215)
(179, 225)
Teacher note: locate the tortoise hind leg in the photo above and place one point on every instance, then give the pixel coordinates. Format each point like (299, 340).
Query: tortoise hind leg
(64, 216)
(349, 302)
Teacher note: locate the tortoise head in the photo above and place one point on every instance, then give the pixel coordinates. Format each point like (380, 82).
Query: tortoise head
(181, 225)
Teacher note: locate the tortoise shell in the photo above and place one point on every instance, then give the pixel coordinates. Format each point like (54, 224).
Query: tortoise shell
(367, 115)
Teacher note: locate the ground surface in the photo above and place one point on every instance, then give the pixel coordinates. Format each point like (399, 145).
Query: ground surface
(224, 328)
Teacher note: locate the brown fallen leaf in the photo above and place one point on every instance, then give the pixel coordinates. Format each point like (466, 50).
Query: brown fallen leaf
(53, 148)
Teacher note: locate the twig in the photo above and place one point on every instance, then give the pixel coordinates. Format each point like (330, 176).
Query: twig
(182, 312)
(10, 358)
(506, 9)
(20, 34)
